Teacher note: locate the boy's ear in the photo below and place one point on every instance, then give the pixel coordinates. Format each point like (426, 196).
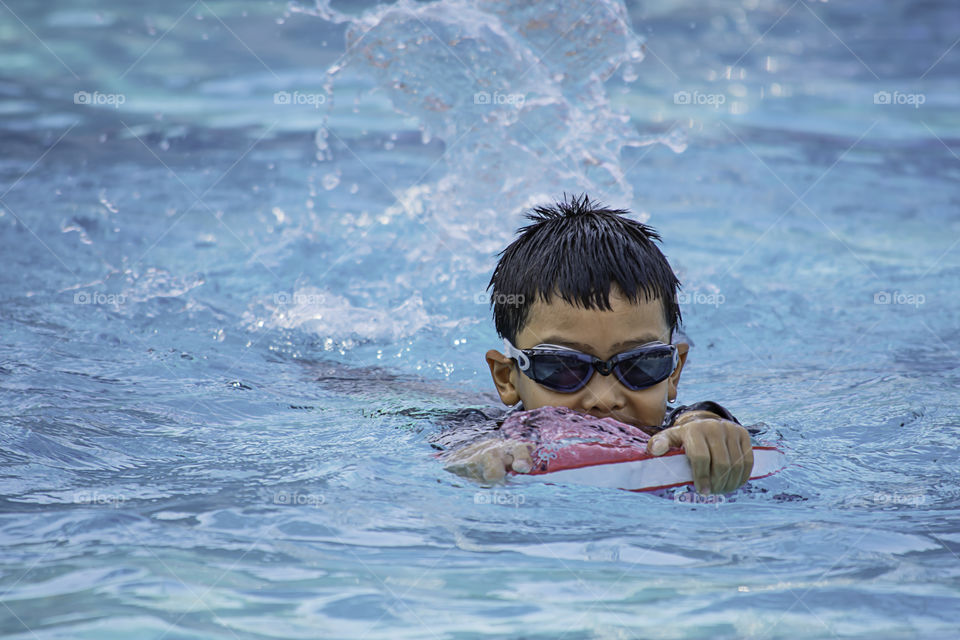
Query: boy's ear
(501, 370)
(682, 349)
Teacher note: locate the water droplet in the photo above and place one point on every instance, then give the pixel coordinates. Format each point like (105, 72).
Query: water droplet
(331, 180)
(106, 203)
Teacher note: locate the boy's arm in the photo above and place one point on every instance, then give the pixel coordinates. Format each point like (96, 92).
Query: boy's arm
(707, 405)
(481, 453)
(488, 459)
(717, 446)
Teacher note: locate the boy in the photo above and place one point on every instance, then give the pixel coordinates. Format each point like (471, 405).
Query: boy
(586, 305)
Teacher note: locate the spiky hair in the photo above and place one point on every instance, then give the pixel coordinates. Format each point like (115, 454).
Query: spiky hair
(577, 249)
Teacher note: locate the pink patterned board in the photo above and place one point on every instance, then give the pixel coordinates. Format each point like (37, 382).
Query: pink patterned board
(574, 447)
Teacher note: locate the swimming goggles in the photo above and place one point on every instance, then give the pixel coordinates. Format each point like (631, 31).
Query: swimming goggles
(567, 370)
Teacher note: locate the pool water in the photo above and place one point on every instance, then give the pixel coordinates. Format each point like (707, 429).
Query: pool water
(245, 249)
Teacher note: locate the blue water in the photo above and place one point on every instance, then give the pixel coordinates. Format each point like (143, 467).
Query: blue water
(230, 321)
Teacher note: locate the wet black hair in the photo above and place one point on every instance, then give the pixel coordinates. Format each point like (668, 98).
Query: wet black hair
(576, 249)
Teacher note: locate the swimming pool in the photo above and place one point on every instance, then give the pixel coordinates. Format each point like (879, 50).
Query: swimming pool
(240, 292)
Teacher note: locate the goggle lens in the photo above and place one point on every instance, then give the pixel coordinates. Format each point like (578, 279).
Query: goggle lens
(560, 372)
(645, 369)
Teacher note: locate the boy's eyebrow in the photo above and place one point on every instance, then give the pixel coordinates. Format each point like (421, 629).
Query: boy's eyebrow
(563, 342)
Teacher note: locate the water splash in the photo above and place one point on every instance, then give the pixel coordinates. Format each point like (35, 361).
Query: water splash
(516, 91)
(325, 313)
(517, 95)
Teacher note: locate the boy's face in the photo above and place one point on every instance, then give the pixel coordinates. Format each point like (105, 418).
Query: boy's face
(603, 334)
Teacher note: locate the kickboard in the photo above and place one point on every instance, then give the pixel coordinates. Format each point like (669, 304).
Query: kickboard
(574, 447)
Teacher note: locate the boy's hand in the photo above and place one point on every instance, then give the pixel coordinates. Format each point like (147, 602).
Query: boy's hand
(488, 460)
(719, 451)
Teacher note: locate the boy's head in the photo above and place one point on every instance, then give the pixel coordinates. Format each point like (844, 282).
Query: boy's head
(588, 278)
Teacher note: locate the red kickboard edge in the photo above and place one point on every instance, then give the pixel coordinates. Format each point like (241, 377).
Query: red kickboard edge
(639, 471)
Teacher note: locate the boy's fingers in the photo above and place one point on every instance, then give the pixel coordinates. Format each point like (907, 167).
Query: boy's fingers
(475, 462)
(518, 457)
(663, 441)
(721, 465)
(488, 461)
(466, 470)
(746, 451)
(741, 459)
(501, 456)
(694, 445)
(698, 454)
(466, 454)
(740, 464)
(493, 467)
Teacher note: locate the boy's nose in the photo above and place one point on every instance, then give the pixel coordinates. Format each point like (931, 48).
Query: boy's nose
(603, 396)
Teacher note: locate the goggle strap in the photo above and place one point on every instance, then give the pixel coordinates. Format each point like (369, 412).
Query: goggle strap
(512, 352)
